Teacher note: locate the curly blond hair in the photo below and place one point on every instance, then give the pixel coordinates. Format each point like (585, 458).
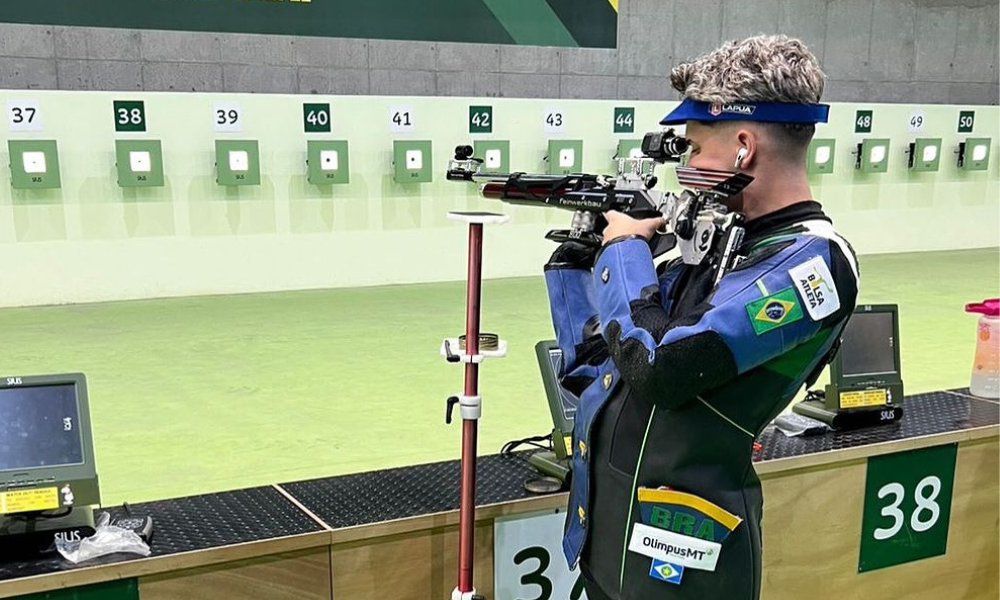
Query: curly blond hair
(763, 68)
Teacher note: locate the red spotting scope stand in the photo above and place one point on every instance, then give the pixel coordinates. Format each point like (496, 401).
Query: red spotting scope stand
(470, 402)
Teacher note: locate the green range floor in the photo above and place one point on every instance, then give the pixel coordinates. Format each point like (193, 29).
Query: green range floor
(202, 394)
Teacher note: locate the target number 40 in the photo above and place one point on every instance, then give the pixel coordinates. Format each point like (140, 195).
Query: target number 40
(907, 506)
(316, 118)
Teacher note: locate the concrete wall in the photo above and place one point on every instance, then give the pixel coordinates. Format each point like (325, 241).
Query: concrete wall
(905, 51)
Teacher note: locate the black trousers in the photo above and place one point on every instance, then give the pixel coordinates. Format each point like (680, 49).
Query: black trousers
(594, 592)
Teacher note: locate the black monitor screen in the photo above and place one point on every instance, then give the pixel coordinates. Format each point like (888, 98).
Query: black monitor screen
(39, 427)
(869, 345)
(567, 400)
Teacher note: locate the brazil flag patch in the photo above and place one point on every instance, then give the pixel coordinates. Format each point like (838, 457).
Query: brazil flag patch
(771, 312)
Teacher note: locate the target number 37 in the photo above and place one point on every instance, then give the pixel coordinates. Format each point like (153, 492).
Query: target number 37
(528, 560)
(539, 559)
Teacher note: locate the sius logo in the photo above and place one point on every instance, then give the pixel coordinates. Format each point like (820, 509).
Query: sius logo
(13, 381)
(68, 536)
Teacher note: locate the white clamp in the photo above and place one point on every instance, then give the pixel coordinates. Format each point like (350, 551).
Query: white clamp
(457, 595)
(450, 345)
(470, 407)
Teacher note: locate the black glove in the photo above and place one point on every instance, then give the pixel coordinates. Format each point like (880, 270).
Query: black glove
(572, 254)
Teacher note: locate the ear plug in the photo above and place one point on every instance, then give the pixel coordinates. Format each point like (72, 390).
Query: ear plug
(739, 157)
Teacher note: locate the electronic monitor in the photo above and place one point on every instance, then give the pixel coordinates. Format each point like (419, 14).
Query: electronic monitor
(46, 445)
(562, 404)
(866, 385)
(865, 372)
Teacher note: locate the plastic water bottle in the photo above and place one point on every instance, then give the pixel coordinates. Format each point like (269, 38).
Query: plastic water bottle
(985, 381)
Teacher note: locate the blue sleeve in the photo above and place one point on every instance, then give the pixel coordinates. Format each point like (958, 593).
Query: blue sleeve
(573, 306)
(754, 314)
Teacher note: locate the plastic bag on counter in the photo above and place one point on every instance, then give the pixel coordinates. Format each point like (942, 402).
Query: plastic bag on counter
(793, 425)
(107, 539)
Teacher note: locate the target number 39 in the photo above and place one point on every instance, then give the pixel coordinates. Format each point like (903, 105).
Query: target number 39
(907, 506)
(227, 117)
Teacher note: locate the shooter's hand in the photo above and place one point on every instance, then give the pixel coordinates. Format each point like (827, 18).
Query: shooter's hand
(621, 225)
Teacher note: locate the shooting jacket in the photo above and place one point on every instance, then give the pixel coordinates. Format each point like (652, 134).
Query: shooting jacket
(676, 376)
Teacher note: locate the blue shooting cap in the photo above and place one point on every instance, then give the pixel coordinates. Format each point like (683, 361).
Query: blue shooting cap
(771, 112)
